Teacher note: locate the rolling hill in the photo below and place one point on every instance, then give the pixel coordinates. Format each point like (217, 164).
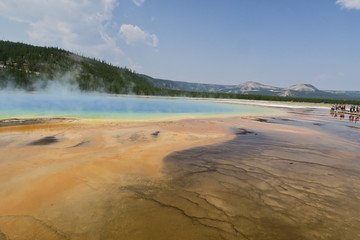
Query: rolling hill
(28, 67)
(253, 88)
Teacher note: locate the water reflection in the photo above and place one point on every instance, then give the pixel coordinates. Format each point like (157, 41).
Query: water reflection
(335, 115)
(352, 118)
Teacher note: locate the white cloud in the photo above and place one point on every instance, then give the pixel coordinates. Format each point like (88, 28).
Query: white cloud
(138, 2)
(350, 4)
(134, 34)
(76, 25)
(85, 27)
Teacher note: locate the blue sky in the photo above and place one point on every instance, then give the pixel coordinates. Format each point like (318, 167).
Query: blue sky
(278, 43)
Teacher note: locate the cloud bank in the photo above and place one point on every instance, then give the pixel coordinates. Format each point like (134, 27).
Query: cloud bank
(86, 27)
(349, 4)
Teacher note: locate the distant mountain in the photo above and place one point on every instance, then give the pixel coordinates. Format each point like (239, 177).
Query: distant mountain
(303, 88)
(28, 67)
(250, 87)
(349, 93)
(184, 86)
(309, 91)
(299, 89)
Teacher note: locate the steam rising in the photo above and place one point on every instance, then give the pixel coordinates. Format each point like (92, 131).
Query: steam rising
(61, 83)
(64, 99)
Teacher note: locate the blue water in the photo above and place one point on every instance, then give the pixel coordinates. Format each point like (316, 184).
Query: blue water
(115, 107)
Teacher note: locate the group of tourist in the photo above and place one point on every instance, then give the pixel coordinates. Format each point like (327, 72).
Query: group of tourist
(336, 107)
(353, 109)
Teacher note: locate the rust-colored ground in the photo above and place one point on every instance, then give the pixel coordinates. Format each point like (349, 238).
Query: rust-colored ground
(245, 179)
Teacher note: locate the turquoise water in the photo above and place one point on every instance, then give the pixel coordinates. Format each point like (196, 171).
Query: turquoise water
(114, 107)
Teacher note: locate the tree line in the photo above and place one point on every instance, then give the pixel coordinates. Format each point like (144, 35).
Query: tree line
(26, 66)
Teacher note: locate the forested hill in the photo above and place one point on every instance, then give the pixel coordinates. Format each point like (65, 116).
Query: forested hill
(30, 67)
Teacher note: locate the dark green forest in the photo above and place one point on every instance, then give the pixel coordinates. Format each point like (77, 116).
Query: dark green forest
(29, 67)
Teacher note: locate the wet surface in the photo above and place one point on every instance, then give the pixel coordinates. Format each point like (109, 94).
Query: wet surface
(269, 182)
(81, 144)
(243, 131)
(17, 122)
(265, 190)
(262, 120)
(2, 236)
(155, 134)
(44, 141)
(31, 121)
(260, 186)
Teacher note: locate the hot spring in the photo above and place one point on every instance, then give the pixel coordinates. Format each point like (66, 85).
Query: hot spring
(114, 107)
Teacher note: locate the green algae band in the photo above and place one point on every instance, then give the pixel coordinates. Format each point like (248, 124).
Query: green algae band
(115, 107)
